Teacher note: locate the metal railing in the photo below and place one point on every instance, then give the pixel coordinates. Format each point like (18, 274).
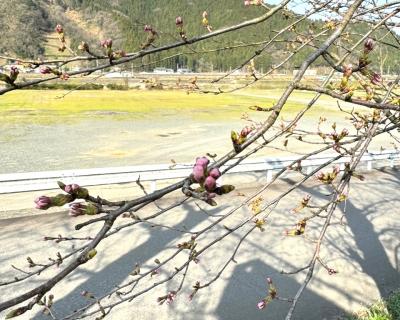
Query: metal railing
(33, 181)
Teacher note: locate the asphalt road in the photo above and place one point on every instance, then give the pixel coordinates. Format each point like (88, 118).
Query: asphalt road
(364, 247)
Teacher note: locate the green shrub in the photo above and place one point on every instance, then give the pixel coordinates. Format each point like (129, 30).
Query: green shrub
(388, 309)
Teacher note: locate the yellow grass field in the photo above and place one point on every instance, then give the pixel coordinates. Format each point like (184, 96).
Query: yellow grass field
(48, 106)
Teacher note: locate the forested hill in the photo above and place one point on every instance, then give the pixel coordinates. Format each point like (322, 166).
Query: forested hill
(28, 29)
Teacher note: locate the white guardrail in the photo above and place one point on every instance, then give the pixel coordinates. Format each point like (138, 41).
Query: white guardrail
(33, 181)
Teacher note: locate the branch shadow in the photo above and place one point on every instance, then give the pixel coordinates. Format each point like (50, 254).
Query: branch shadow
(373, 259)
(112, 274)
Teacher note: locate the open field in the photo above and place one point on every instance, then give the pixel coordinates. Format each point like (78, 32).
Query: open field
(104, 128)
(34, 106)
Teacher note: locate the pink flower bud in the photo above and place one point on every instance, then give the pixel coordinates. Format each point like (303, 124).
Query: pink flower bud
(369, 45)
(215, 173)
(71, 188)
(210, 184)
(202, 161)
(43, 202)
(106, 43)
(179, 21)
(261, 305)
(376, 78)
(246, 131)
(345, 132)
(171, 297)
(45, 70)
(198, 173)
(348, 70)
(14, 70)
(76, 209)
(247, 2)
(336, 169)
(320, 175)
(59, 28)
(64, 76)
(148, 28)
(269, 280)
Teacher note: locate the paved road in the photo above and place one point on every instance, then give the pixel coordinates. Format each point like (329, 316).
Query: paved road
(365, 251)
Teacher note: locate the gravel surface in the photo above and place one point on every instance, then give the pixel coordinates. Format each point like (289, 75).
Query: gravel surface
(107, 141)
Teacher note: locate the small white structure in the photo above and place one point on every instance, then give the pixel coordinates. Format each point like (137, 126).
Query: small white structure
(162, 70)
(309, 72)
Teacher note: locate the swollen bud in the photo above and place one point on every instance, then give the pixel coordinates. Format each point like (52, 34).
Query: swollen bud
(179, 21)
(59, 29)
(202, 161)
(16, 312)
(61, 199)
(91, 254)
(369, 45)
(210, 183)
(198, 173)
(14, 72)
(215, 173)
(43, 202)
(226, 188)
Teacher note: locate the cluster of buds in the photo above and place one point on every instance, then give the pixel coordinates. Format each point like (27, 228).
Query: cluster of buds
(330, 24)
(337, 137)
(190, 245)
(253, 2)
(207, 179)
(298, 230)
(255, 205)
(151, 36)
(348, 170)
(303, 204)
(345, 86)
(205, 22)
(49, 70)
(239, 139)
(107, 45)
(260, 224)
(10, 79)
(363, 60)
(73, 191)
(272, 294)
(360, 121)
(328, 177)
(179, 25)
(196, 288)
(297, 167)
(61, 36)
(168, 298)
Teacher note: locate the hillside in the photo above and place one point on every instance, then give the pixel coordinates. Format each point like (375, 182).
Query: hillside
(29, 30)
